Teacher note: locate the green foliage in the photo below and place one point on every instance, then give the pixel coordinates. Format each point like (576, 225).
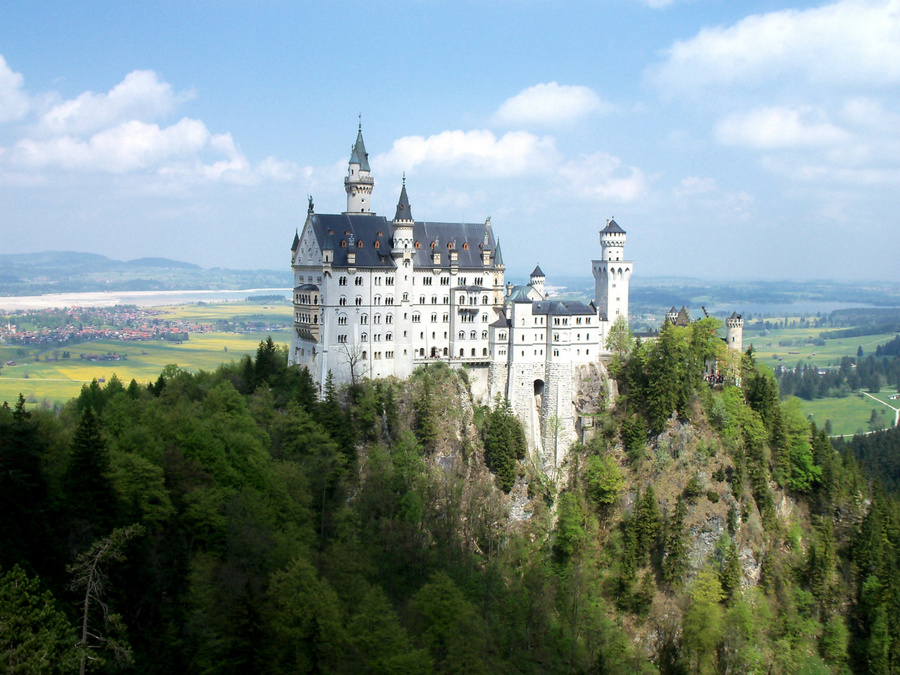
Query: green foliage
(35, 637)
(634, 436)
(604, 480)
(504, 444)
(570, 534)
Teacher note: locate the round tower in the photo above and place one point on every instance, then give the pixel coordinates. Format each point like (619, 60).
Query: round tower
(358, 184)
(612, 274)
(734, 332)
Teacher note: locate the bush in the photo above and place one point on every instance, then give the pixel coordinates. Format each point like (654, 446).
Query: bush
(712, 496)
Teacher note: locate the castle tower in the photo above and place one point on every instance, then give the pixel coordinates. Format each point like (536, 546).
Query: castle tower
(612, 274)
(358, 183)
(537, 280)
(734, 332)
(672, 315)
(403, 227)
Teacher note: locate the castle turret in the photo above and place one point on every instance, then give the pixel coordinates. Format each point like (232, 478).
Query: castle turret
(403, 226)
(672, 315)
(358, 183)
(734, 332)
(612, 274)
(537, 279)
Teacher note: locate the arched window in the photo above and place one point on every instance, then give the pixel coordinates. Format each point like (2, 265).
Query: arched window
(484, 335)
(363, 337)
(343, 301)
(473, 336)
(376, 319)
(484, 352)
(483, 299)
(406, 297)
(358, 281)
(343, 243)
(377, 299)
(465, 246)
(342, 281)
(359, 244)
(417, 244)
(462, 335)
(364, 319)
(462, 352)
(377, 244)
(389, 336)
(433, 299)
(389, 318)
(358, 301)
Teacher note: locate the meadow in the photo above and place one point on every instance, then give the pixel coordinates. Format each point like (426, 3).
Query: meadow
(49, 382)
(848, 415)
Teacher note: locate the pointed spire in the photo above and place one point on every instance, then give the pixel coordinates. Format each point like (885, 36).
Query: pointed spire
(403, 210)
(296, 241)
(538, 272)
(498, 256)
(359, 154)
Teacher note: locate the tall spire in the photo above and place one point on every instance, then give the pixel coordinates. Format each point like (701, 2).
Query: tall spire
(403, 210)
(358, 184)
(359, 155)
(498, 256)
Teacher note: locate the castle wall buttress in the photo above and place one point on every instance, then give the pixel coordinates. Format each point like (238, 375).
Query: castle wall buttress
(557, 413)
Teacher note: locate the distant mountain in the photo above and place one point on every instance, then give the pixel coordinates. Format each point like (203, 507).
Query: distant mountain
(72, 272)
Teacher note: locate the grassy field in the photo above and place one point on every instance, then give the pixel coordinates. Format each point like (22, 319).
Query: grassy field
(768, 350)
(58, 381)
(848, 415)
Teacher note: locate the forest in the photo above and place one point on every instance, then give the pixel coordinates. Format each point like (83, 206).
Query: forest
(232, 522)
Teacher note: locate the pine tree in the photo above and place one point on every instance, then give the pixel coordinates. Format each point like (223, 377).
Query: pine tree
(90, 497)
(675, 561)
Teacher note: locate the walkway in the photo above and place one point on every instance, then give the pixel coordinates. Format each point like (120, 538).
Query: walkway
(896, 410)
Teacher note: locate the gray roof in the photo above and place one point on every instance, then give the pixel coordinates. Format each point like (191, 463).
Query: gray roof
(613, 227)
(375, 233)
(520, 294)
(296, 241)
(359, 154)
(403, 210)
(561, 308)
(498, 257)
(306, 287)
(537, 271)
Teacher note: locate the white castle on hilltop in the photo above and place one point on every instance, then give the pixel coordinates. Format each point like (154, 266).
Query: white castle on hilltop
(375, 298)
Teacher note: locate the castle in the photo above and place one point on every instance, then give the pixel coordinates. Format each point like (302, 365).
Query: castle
(375, 297)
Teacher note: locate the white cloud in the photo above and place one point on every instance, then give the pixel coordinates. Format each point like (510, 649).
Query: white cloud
(656, 4)
(478, 151)
(848, 43)
(129, 146)
(779, 127)
(602, 176)
(550, 103)
(140, 96)
(13, 101)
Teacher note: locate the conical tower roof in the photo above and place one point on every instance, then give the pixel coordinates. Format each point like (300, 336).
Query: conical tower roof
(403, 210)
(359, 154)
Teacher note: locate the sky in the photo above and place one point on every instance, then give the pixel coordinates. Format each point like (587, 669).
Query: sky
(731, 140)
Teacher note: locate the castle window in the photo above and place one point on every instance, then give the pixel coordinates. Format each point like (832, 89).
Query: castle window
(462, 335)
(416, 318)
(377, 244)
(462, 299)
(421, 299)
(389, 336)
(417, 245)
(343, 243)
(378, 281)
(449, 245)
(433, 299)
(377, 299)
(484, 352)
(445, 281)
(377, 337)
(461, 352)
(364, 355)
(342, 338)
(483, 299)
(376, 319)
(473, 351)
(389, 300)
(434, 318)
(427, 281)
(502, 336)
(473, 336)
(358, 281)
(445, 351)
(363, 319)
(389, 281)
(555, 352)
(363, 337)
(446, 299)
(445, 318)
(359, 244)
(358, 301)
(389, 355)
(342, 281)
(389, 318)
(556, 337)
(484, 318)
(343, 301)
(432, 246)
(484, 335)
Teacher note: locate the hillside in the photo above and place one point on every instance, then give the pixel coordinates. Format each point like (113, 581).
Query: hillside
(396, 527)
(72, 272)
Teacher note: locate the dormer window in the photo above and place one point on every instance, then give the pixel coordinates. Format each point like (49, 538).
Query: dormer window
(359, 244)
(466, 246)
(417, 245)
(343, 243)
(377, 244)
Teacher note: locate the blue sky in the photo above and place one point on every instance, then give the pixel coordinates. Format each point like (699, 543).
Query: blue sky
(752, 140)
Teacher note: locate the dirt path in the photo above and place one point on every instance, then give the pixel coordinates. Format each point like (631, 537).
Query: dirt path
(896, 410)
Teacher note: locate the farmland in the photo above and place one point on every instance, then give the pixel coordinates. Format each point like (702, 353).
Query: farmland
(43, 377)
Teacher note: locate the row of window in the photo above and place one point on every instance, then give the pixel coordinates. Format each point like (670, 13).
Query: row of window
(358, 301)
(364, 337)
(358, 281)
(377, 355)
